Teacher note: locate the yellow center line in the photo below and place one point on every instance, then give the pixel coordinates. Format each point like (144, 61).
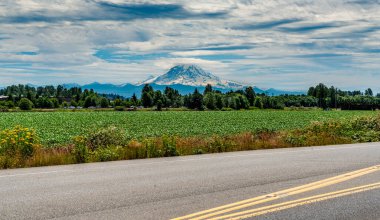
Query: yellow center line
(280, 194)
(299, 202)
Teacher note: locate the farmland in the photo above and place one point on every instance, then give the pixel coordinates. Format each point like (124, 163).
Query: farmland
(56, 128)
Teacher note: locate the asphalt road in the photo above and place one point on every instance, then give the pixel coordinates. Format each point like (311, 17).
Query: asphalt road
(167, 188)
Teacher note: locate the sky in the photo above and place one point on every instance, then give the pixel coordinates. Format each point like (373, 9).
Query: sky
(283, 44)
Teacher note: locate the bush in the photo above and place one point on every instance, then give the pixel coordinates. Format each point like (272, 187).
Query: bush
(119, 108)
(107, 137)
(198, 151)
(106, 154)
(3, 108)
(25, 104)
(80, 150)
(226, 109)
(169, 147)
(18, 142)
(151, 149)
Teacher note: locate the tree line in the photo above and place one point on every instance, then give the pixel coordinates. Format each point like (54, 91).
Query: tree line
(48, 97)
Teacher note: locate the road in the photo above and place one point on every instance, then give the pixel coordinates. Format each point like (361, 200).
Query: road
(310, 182)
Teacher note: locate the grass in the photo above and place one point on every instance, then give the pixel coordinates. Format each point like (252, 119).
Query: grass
(59, 128)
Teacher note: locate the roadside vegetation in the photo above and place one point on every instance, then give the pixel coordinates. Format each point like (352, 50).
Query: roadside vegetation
(21, 147)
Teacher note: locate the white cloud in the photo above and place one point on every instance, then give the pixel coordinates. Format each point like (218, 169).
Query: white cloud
(268, 43)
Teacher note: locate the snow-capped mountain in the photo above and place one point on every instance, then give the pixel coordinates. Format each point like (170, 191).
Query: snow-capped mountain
(184, 78)
(191, 75)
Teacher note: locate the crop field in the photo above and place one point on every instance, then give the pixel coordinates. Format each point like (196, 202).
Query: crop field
(61, 127)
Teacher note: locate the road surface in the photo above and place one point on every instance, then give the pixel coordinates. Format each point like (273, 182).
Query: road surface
(297, 183)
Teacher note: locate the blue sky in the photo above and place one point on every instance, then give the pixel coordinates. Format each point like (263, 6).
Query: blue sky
(285, 44)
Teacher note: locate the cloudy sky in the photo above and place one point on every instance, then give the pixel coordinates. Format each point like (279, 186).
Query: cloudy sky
(285, 44)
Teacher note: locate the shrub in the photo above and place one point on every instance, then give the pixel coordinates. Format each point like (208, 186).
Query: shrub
(169, 147)
(107, 137)
(9, 104)
(119, 108)
(25, 104)
(16, 146)
(227, 109)
(65, 104)
(3, 108)
(198, 151)
(106, 154)
(18, 141)
(151, 149)
(80, 150)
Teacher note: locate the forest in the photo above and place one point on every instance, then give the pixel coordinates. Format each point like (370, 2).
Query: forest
(25, 97)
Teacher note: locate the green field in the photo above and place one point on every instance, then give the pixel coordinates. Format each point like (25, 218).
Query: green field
(61, 127)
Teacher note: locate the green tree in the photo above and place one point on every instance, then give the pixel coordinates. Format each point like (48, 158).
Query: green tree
(65, 104)
(368, 92)
(74, 103)
(55, 102)
(333, 97)
(210, 101)
(244, 102)
(90, 101)
(157, 97)
(208, 89)
(311, 92)
(196, 100)
(134, 99)
(219, 101)
(147, 96)
(321, 92)
(159, 105)
(259, 103)
(250, 94)
(25, 104)
(44, 102)
(147, 100)
(104, 102)
(117, 102)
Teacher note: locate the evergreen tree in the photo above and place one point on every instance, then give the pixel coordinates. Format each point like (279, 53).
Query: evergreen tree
(208, 89)
(147, 100)
(210, 101)
(311, 92)
(147, 96)
(259, 103)
(157, 97)
(159, 105)
(219, 101)
(333, 97)
(134, 99)
(196, 100)
(368, 92)
(244, 103)
(250, 94)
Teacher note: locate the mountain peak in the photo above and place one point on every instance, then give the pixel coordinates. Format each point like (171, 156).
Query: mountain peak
(192, 75)
(188, 72)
